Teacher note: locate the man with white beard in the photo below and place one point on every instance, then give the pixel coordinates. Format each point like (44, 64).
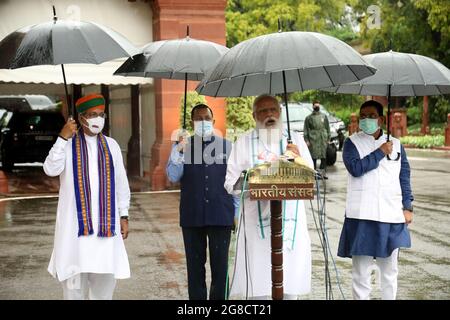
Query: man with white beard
(251, 278)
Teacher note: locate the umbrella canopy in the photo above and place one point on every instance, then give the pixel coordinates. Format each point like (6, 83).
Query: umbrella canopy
(400, 74)
(284, 62)
(181, 59)
(174, 59)
(61, 42)
(404, 74)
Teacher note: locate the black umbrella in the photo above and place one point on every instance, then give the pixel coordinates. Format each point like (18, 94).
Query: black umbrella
(400, 75)
(284, 62)
(180, 59)
(61, 42)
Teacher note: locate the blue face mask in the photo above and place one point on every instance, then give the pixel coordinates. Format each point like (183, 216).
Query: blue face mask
(369, 126)
(203, 128)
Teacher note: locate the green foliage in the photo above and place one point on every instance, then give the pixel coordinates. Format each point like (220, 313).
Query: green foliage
(423, 141)
(193, 98)
(414, 115)
(239, 116)
(250, 18)
(438, 108)
(345, 113)
(435, 128)
(419, 27)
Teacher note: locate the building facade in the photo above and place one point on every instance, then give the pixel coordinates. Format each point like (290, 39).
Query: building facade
(142, 113)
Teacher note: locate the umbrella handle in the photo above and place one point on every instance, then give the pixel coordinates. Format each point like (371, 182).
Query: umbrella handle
(396, 159)
(287, 108)
(69, 105)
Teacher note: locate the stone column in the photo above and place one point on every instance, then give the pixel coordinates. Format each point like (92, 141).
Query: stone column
(447, 132)
(353, 126)
(134, 148)
(206, 20)
(425, 128)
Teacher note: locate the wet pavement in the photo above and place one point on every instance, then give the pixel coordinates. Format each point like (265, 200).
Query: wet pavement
(155, 246)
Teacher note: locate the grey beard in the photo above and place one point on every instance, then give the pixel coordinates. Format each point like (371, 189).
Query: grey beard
(269, 134)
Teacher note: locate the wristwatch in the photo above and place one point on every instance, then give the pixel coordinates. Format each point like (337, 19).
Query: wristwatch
(408, 209)
(124, 217)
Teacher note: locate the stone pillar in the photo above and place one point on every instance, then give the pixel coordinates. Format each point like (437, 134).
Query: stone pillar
(447, 132)
(105, 94)
(206, 20)
(353, 126)
(134, 148)
(396, 127)
(399, 122)
(425, 128)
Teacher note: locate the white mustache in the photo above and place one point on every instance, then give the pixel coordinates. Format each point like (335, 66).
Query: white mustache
(270, 119)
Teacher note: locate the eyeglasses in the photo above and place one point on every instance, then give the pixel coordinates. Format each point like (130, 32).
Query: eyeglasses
(92, 115)
(268, 110)
(370, 116)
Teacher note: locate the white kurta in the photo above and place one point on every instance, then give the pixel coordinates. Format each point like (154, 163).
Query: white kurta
(254, 278)
(86, 254)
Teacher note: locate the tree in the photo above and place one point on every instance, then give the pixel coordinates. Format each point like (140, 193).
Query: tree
(419, 27)
(250, 18)
(239, 116)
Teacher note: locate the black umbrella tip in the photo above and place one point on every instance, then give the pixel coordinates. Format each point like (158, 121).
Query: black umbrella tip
(187, 33)
(54, 14)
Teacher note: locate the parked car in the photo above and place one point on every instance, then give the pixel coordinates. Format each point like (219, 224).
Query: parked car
(27, 102)
(27, 136)
(298, 111)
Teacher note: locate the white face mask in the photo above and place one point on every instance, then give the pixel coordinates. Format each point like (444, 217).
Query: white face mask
(95, 125)
(203, 128)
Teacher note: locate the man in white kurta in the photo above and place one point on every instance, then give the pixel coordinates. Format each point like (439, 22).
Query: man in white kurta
(252, 272)
(87, 263)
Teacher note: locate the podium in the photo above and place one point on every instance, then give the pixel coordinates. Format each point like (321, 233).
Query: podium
(277, 181)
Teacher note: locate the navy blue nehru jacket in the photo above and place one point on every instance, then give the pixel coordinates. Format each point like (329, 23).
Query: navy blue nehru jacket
(204, 200)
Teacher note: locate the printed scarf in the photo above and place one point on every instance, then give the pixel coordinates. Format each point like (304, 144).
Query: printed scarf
(83, 191)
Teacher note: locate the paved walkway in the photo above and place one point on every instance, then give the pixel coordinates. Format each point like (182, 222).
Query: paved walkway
(156, 251)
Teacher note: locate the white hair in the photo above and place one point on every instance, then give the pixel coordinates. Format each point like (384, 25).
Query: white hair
(264, 96)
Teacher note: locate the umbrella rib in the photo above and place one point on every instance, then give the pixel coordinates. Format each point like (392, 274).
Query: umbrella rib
(243, 85)
(414, 90)
(218, 88)
(270, 83)
(110, 37)
(300, 79)
(329, 77)
(350, 67)
(420, 71)
(88, 45)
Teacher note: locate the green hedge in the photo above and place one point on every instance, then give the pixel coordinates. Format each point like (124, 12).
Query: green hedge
(423, 142)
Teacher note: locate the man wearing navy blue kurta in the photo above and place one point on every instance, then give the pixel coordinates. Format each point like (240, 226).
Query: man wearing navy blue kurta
(379, 204)
(206, 209)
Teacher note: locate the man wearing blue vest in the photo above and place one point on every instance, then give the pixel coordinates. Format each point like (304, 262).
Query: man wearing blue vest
(379, 204)
(199, 163)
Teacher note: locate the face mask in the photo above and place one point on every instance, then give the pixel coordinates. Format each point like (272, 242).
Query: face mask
(316, 108)
(98, 121)
(203, 128)
(369, 126)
